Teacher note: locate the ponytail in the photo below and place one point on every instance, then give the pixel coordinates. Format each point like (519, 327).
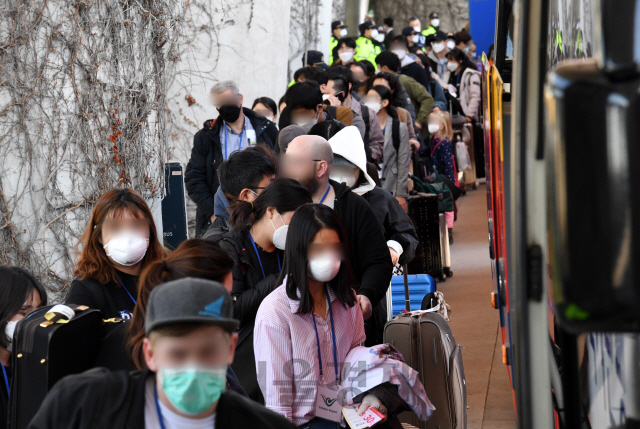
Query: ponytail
(242, 215)
(155, 273)
(283, 194)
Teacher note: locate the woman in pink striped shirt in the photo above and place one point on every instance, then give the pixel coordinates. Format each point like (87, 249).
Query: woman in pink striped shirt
(309, 322)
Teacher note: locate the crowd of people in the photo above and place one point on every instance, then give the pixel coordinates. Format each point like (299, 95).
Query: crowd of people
(301, 218)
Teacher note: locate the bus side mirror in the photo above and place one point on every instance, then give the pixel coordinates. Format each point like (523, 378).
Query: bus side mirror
(593, 195)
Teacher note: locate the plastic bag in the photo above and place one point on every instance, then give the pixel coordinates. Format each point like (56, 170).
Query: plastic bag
(462, 153)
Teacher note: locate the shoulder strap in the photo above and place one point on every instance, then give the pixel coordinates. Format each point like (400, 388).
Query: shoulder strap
(365, 117)
(395, 134)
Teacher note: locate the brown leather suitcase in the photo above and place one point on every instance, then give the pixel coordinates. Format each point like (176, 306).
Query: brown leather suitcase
(427, 345)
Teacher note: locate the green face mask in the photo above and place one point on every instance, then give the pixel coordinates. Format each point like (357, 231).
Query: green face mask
(193, 389)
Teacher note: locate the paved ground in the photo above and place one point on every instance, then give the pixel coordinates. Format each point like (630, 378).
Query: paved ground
(474, 321)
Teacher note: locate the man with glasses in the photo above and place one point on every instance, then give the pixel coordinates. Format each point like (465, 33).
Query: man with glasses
(242, 177)
(235, 129)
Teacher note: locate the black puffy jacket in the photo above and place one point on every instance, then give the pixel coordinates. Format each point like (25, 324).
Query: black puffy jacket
(395, 221)
(201, 175)
(249, 289)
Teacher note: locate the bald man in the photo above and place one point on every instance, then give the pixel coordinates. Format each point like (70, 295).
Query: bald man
(308, 160)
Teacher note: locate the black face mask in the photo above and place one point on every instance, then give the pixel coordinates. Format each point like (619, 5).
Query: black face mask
(229, 112)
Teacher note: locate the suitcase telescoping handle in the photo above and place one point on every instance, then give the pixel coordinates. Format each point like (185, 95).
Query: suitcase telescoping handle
(407, 301)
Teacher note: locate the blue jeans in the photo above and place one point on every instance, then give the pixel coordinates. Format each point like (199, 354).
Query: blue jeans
(318, 423)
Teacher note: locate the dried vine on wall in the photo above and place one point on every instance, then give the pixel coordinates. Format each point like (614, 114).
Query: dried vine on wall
(83, 108)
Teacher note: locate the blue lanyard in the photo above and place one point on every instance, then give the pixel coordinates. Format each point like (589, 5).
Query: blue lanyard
(155, 395)
(333, 333)
(6, 379)
(260, 260)
(126, 290)
(325, 195)
(458, 80)
(226, 156)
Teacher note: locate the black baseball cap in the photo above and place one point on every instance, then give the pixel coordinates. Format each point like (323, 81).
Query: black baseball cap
(190, 300)
(341, 161)
(315, 58)
(439, 35)
(408, 31)
(451, 36)
(434, 15)
(337, 24)
(367, 25)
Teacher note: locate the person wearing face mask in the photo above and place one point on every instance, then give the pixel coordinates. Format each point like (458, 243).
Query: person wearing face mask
(236, 128)
(413, 39)
(434, 24)
(311, 317)
(451, 41)
(309, 160)
(344, 52)
(119, 241)
(366, 49)
(338, 31)
(467, 83)
(419, 39)
(419, 97)
(122, 348)
(349, 167)
(340, 81)
(255, 243)
(408, 62)
(187, 350)
(306, 107)
(397, 150)
(20, 293)
(265, 106)
(441, 153)
(438, 57)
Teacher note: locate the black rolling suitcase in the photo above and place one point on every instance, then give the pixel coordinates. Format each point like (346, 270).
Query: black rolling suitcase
(423, 211)
(47, 347)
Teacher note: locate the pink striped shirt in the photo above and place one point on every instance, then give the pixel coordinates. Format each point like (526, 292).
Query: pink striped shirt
(286, 351)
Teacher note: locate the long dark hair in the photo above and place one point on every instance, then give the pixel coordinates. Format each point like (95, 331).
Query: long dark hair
(307, 221)
(462, 58)
(385, 94)
(16, 286)
(202, 259)
(284, 194)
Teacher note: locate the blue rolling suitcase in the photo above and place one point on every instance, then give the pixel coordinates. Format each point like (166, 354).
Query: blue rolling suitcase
(421, 288)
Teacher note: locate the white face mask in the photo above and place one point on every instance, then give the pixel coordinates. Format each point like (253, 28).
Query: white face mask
(343, 32)
(437, 47)
(310, 123)
(127, 248)
(452, 66)
(347, 180)
(270, 118)
(434, 128)
(345, 57)
(380, 38)
(416, 29)
(279, 234)
(435, 22)
(324, 267)
(374, 33)
(401, 53)
(9, 330)
(451, 44)
(466, 49)
(325, 97)
(373, 106)
(415, 38)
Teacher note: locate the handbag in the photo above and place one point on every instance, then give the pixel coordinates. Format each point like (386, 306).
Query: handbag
(445, 199)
